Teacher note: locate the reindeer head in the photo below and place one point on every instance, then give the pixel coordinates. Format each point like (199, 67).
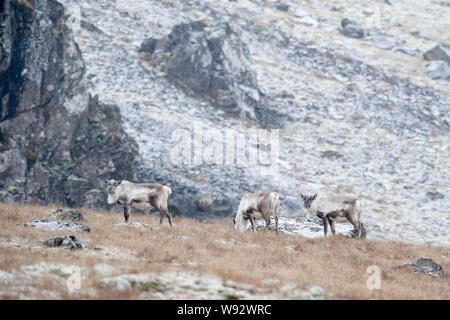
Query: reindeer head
(240, 223)
(111, 186)
(307, 200)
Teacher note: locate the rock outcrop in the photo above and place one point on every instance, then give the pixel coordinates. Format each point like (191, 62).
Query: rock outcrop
(351, 29)
(57, 144)
(53, 225)
(209, 61)
(70, 241)
(425, 265)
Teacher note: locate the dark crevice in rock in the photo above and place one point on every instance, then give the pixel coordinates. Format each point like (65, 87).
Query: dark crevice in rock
(11, 80)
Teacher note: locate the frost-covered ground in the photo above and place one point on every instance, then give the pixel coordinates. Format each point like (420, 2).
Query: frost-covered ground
(201, 259)
(169, 285)
(364, 121)
(92, 280)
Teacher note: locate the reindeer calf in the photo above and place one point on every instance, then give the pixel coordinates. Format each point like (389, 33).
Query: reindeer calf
(330, 209)
(257, 206)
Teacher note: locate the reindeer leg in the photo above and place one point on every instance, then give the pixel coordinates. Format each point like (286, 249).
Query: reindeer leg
(169, 215)
(359, 230)
(267, 223)
(162, 214)
(356, 225)
(154, 203)
(276, 224)
(325, 225)
(126, 211)
(252, 221)
(331, 222)
(363, 236)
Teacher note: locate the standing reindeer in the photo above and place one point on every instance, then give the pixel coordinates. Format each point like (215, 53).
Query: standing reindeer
(257, 206)
(139, 195)
(329, 209)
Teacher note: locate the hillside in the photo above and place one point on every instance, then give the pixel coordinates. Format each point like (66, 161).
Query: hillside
(356, 116)
(356, 95)
(195, 260)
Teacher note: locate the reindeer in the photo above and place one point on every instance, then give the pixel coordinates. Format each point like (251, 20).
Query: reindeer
(330, 209)
(257, 206)
(139, 195)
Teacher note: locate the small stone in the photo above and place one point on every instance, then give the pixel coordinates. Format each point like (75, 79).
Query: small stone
(429, 267)
(438, 70)
(53, 225)
(425, 265)
(351, 29)
(382, 40)
(330, 154)
(434, 195)
(282, 6)
(440, 52)
(70, 241)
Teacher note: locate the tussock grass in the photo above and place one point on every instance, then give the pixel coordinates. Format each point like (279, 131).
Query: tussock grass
(336, 264)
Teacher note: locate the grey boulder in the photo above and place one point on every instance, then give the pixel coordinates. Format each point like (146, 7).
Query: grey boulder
(351, 29)
(438, 70)
(386, 41)
(53, 225)
(425, 265)
(70, 241)
(439, 52)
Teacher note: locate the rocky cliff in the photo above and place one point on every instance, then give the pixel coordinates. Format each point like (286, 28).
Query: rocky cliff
(57, 143)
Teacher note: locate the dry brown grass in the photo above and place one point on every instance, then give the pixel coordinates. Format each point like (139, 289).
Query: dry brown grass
(336, 264)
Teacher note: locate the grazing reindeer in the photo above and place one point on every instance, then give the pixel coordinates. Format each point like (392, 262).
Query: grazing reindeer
(139, 195)
(330, 209)
(257, 206)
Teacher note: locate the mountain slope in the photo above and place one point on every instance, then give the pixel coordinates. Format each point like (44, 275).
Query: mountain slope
(359, 119)
(198, 260)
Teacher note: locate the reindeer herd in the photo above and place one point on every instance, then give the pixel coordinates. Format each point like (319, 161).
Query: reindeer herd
(263, 205)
